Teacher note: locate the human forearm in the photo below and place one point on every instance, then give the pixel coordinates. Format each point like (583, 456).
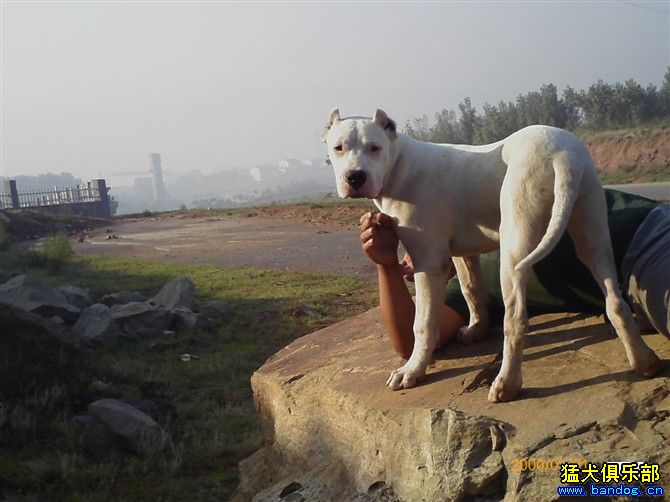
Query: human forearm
(397, 309)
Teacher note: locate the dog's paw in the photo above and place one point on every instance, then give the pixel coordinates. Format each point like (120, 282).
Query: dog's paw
(471, 334)
(504, 389)
(405, 378)
(649, 365)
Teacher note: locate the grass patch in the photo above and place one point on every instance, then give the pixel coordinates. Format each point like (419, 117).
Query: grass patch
(54, 253)
(218, 425)
(643, 131)
(352, 208)
(636, 174)
(5, 237)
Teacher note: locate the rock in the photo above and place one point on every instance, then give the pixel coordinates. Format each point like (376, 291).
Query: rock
(122, 297)
(6, 275)
(178, 293)
(99, 440)
(215, 309)
(141, 319)
(76, 296)
(306, 310)
(186, 319)
(36, 354)
(96, 326)
(333, 427)
(32, 295)
(81, 421)
(134, 429)
(160, 411)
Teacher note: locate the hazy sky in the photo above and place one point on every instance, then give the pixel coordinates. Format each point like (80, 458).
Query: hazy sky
(93, 88)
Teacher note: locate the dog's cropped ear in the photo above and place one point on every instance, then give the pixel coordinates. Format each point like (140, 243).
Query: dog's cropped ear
(381, 119)
(332, 118)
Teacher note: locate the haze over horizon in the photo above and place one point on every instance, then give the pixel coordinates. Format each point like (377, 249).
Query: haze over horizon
(93, 88)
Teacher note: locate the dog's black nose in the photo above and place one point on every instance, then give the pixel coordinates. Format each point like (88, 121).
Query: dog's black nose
(356, 179)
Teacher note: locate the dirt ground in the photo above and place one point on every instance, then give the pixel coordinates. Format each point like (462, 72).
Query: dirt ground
(301, 237)
(616, 151)
(286, 240)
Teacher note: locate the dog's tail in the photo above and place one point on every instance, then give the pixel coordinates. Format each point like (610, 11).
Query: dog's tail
(567, 178)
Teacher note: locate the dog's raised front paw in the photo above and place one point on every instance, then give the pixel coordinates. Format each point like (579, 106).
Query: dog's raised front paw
(473, 333)
(504, 389)
(405, 377)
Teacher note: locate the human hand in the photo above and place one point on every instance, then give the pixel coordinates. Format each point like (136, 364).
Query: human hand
(379, 238)
(407, 268)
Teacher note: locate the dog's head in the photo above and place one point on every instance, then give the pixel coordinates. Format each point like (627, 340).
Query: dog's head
(361, 150)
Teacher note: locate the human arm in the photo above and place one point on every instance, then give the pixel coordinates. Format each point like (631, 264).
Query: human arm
(380, 242)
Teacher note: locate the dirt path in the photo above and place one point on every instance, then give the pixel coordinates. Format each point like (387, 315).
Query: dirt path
(237, 241)
(302, 238)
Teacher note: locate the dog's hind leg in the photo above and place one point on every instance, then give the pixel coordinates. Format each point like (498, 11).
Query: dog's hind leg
(524, 213)
(471, 280)
(513, 283)
(589, 231)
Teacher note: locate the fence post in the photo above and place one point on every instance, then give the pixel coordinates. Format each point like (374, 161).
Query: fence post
(104, 198)
(10, 188)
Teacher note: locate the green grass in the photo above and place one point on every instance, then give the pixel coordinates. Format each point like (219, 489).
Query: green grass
(5, 237)
(54, 253)
(636, 174)
(218, 425)
(313, 202)
(643, 131)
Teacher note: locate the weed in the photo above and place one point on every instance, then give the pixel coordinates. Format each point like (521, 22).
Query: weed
(5, 237)
(54, 253)
(217, 425)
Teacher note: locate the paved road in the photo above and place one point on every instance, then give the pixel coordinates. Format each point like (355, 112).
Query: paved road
(658, 191)
(234, 241)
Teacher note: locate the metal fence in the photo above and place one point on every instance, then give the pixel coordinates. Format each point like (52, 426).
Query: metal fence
(55, 196)
(89, 198)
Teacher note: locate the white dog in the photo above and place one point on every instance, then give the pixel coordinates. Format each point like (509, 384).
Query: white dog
(458, 201)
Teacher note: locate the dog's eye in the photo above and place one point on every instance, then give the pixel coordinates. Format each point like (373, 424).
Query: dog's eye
(374, 148)
(338, 148)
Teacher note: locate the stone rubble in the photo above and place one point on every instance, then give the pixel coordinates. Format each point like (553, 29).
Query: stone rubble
(34, 295)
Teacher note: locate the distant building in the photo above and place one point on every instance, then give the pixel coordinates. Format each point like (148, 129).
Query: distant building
(142, 187)
(157, 174)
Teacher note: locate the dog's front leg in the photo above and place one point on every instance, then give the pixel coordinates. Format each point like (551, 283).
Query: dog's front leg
(430, 284)
(471, 280)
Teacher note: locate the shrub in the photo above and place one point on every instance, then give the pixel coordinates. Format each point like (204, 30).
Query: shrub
(54, 253)
(5, 237)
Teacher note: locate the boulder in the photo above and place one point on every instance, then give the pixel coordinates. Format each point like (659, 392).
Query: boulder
(33, 295)
(160, 411)
(134, 429)
(178, 293)
(122, 297)
(333, 428)
(141, 319)
(99, 440)
(76, 296)
(6, 275)
(96, 326)
(185, 318)
(36, 354)
(215, 309)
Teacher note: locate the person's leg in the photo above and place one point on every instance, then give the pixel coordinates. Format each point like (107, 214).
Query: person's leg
(648, 263)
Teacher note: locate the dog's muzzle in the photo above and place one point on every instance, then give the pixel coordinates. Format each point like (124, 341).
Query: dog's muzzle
(356, 179)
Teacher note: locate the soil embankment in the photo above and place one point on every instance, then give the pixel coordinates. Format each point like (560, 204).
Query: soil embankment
(631, 157)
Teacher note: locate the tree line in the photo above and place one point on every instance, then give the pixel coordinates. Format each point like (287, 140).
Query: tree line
(600, 107)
